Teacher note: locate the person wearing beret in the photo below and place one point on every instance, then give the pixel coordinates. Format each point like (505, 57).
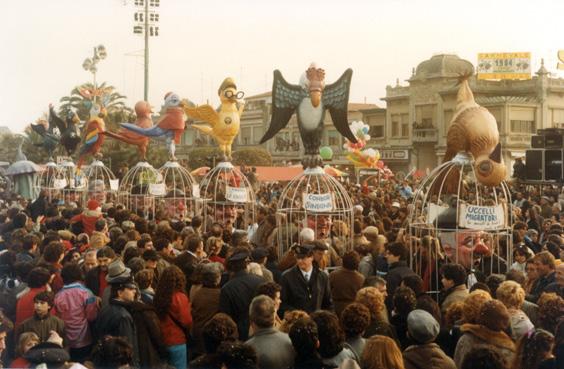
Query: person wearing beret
(305, 286)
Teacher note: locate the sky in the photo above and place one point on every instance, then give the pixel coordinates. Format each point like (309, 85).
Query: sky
(203, 41)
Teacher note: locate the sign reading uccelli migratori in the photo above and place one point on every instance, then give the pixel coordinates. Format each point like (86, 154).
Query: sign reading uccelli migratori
(504, 65)
(481, 217)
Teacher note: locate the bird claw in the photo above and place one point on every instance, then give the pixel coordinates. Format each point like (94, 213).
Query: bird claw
(312, 161)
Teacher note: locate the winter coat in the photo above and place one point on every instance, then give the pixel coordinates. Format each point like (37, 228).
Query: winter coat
(76, 306)
(152, 350)
(344, 284)
(429, 356)
(274, 349)
(25, 306)
(396, 273)
(205, 305)
(180, 310)
(455, 294)
(520, 324)
(475, 335)
(299, 294)
(235, 298)
(42, 326)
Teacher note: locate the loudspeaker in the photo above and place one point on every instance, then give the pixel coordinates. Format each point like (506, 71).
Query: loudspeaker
(537, 142)
(553, 165)
(534, 164)
(553, 141)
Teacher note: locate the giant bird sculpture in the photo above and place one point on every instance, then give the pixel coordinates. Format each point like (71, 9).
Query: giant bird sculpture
(223, 123)
(70, 136)
(49, 136)
(93, 134)
(143, 112)
(310, 99)
(170, 126)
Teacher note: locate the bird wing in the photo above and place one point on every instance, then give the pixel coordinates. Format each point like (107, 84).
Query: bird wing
(336, 99)
(203, 112)
(55, 121)
(39, 129)
(285, 100)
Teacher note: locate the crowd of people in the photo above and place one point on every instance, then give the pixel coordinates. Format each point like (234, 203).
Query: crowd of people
(103, 287)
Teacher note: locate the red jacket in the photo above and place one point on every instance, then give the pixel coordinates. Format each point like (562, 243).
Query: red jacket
(88, 219)
(180, 310)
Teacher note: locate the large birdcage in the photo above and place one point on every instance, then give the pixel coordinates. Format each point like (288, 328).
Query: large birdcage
(138, 189)
(227, 194)
(318, 201)
(46, 182)
(75, 183)
(456, 219)
(61, 183)
(102, 184)
(181, 199)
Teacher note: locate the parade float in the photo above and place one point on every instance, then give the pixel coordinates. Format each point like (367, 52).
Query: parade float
(461, 212)
(225, 191)
(313, 199)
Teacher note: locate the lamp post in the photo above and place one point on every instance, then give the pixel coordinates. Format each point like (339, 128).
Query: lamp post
(90, 64)
(146, 23)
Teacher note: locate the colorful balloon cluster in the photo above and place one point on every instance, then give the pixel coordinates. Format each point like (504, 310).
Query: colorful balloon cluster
(357, 153)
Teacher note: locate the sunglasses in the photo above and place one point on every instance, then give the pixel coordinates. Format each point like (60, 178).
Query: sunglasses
(229, 94)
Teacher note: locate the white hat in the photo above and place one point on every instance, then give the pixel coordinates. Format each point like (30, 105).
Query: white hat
(395, 204)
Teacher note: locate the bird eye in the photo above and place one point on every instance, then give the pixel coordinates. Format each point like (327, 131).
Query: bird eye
(485, 167)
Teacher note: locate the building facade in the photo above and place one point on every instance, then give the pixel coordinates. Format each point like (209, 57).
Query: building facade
(418, 115)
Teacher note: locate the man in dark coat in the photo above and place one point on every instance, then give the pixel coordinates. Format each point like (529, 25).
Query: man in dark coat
(237, 294)
(115, 319)
(152, 350)
(304, 286)
(96, 277)
(396, 255)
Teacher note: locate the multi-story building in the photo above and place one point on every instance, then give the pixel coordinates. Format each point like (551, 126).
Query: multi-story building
(417, 116)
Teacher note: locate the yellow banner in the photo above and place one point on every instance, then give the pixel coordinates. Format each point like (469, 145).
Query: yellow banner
(504, 65)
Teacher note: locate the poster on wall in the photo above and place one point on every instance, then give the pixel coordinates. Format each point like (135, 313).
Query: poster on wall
(504, 65)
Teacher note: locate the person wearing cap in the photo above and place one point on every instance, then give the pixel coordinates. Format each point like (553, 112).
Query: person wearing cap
(77, 306)
(423, 329)
(237, 293)
(115, 319)
(88, 217)
(258, 255)
(305, 286)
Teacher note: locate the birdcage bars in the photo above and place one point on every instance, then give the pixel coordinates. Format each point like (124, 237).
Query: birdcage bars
(138, 189)
(470, 225)
(181, 199)
(102, 184)
(227, 194)
(318, 201)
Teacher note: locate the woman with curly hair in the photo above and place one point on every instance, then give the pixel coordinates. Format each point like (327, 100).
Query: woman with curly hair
(112, 353)
(381, 352)
(173, 309)
(355, 318)
(512, 295)
(220, 328)
(551, 307)
(373, 299)
(331, 339)
(533, 348)
(290, 317)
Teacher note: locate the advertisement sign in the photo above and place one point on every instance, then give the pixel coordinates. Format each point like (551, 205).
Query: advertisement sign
(157, 189)
(504, 65)
(236, 194)
(481, 217)
(318, 203)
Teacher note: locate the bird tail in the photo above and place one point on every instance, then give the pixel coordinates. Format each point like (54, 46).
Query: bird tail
(154, 131)
(117, 136)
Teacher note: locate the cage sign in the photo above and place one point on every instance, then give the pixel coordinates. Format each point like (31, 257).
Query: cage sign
(114, 184)
(318, 203)
(235, 194)
(59, 184)
(195, 191)
(157, 189)
(481, 217)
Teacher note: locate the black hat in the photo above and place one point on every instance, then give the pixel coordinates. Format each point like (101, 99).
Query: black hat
(239, 256)
(49, 353)
(319, 245)
(259, 253)
(302, 250)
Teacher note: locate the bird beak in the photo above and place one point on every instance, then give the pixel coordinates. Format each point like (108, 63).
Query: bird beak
(315, 96)
(496, 154)
(75, 119)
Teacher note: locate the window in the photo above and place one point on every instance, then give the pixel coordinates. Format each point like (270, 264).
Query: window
(376, 131)
(395, 128)
(523, 126)
(405, 125)
(333, 138)
(424, 116)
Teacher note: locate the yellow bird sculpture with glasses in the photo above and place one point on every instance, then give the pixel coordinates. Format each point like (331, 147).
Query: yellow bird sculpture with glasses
(224, 122)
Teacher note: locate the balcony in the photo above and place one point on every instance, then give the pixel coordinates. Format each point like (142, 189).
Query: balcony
(423, 135)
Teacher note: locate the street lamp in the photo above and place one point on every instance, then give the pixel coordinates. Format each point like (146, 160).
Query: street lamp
(90, 64)
(146, 20)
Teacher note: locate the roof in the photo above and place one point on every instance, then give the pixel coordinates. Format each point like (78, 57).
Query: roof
(264, 94)
(443, 65)
(357, 106)
(270, 174)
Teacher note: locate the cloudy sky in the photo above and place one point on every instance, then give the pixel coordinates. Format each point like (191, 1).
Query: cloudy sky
(201, 42)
